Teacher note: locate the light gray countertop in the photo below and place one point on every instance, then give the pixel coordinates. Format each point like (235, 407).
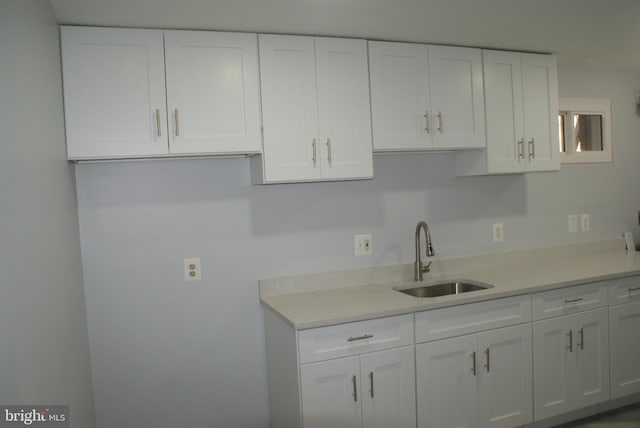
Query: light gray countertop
(325, 299)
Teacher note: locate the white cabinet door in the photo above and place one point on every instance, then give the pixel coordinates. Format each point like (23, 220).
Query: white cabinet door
(289, 108)
(316, 109)
(457, 100)
(400, 99)
(624, 325)
(344, 108)
(540, 94)
(114, 92)
(505, 377)
(592, 357)
(388, 388)
(552, 367)
(446, 383)
(212, 92)
(571, 362)
(521, 98)
(504, 111)
(331, 394)
(426, 97)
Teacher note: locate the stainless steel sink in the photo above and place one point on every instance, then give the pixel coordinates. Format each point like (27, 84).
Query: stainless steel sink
(444, 288)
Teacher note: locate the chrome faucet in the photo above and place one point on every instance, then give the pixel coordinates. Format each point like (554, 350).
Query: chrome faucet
(418, 267)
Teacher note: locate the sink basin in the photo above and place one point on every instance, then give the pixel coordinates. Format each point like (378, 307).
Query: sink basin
(444, 288)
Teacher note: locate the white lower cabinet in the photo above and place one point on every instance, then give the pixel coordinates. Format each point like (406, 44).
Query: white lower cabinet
(475, 368)
(358, 374)
(479, 380)
(498, 363)
(570, 362)
(624, 325)
(374, 390)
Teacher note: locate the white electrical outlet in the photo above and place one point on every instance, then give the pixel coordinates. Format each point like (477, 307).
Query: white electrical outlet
(573, 223)
(362, 245)
(192, 270)
(498, 232)
(585, 222)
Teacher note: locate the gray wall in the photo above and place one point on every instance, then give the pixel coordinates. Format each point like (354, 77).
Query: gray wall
(44, 352)
(169, 353)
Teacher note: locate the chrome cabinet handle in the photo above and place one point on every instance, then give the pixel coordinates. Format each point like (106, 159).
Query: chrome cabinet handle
(371, 383)
(520, 149)
(364, 336)
(426, 121)
(314, 158)
(473, 363)
(570, 347)
(488, 364)
(177, 122)
(581, 343)
(158, 131)
(355, 388)
(532, 149)
(578, 299)
(440, 121)
(634, 288)
(329, 151)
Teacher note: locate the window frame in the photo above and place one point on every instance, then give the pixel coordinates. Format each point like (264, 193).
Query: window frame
(591, 106)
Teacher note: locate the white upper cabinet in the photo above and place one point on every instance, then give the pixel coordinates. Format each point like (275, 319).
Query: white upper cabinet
(213, 93)
(315, 109)
(116, 104)
(426, 97)
(521, 99)
(114, 92)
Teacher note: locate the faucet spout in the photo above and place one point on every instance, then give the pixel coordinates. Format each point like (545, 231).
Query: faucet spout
(419, 267)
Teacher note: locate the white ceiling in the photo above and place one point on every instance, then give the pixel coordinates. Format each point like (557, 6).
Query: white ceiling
(600, 34)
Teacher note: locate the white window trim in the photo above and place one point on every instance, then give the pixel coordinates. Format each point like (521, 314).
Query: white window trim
(601, 106)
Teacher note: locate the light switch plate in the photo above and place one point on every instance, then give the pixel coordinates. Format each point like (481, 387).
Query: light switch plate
(498, 232)
(573, 223)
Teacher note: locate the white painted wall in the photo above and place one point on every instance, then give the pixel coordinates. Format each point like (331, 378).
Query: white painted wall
(44, 353)
(166, 353)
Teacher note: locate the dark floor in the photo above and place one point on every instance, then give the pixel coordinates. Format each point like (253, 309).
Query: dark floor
(626, 417)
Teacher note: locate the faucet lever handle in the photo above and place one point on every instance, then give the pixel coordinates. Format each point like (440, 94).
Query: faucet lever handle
(425, 268)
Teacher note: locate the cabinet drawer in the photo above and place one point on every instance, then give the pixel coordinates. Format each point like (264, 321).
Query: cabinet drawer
(341, 340)
(624, 290)
(569, 300)
(472, 318)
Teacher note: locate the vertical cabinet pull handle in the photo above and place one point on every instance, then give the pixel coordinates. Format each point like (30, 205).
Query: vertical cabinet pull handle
(371, 383)
(329, 151)
(473, 363)
(158, 132)
(177, 122)
(532, 149)
(426, 122)
(520, 149)
(440, 121)
(581, 343)
(314, 158)
(488, 365)
(355, 388)
(570, 334)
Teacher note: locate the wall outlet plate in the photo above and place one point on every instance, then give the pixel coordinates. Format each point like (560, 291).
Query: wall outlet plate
(362, 245)
(585, 222)
(192, 269)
